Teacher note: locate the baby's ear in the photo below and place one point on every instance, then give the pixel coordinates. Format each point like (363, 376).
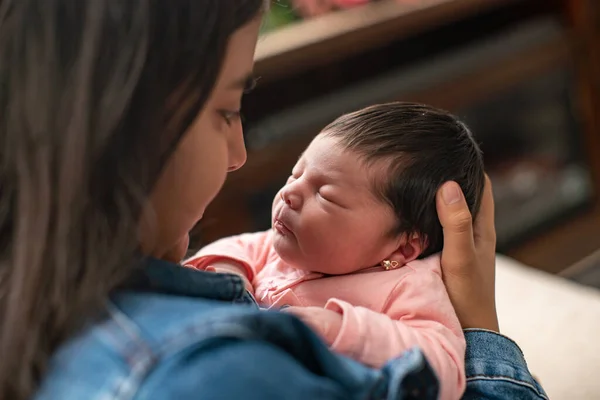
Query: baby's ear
(409, 249)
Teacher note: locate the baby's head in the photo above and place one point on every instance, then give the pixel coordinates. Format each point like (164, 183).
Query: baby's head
(364, 190)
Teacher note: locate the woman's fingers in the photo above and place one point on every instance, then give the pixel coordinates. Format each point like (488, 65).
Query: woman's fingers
(484, 228)
(456, 221)
(468, 256)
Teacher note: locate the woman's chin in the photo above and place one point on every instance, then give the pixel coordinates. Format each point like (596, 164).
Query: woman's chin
(178, 251)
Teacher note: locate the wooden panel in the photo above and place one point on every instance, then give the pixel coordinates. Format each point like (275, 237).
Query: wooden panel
(562, 246)
(559, 248)
(582, 17)
(333, 36)
(519, 67)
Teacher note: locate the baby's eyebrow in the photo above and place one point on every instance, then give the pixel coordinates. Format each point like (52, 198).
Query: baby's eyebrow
(300, 163)
(322, 178)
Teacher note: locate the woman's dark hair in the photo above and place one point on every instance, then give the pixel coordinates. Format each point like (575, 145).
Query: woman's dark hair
(422, 148)
(94, 96)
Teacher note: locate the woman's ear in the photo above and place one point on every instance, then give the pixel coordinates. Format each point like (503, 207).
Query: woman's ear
(409, 249)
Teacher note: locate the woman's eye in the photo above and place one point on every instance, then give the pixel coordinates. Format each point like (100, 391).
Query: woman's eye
(230, 116)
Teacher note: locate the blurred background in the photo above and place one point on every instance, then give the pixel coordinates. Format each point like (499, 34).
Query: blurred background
(523, 74)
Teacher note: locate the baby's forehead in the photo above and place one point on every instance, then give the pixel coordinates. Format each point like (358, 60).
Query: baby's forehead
(326, 158)
(329, 156)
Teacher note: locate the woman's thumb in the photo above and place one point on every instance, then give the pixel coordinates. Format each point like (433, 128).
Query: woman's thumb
(457, 225)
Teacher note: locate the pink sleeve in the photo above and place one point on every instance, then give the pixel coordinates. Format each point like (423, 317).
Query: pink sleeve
(249, 250)
(418, 313)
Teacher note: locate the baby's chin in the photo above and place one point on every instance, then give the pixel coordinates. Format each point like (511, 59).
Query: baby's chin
(303, 264)
(293, 260)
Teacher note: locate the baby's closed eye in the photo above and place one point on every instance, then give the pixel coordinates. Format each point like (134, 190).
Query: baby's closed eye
(330, 195)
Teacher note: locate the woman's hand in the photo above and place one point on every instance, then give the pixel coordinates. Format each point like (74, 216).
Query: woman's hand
(469, 256)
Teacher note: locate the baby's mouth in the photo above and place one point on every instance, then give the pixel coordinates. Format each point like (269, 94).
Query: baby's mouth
(282, 228)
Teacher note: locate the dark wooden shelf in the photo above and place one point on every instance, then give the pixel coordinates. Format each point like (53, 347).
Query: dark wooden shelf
(337, 35)
(564, 245)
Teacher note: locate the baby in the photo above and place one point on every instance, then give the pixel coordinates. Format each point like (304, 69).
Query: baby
(352, 250)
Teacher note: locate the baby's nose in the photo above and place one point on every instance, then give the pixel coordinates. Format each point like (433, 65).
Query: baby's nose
(292, 199)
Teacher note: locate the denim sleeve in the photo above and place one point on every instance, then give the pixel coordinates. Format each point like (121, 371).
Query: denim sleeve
(235, 369)
(496, 369)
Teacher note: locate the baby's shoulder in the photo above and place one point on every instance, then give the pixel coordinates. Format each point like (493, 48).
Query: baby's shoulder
(426, 266)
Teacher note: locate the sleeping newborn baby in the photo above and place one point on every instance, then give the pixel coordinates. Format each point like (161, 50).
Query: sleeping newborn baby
(352, 249)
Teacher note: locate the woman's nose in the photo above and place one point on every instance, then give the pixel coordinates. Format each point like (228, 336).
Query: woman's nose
(291, 197)
(237, 150)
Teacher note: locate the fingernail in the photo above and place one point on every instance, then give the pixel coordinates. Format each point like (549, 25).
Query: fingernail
(451, 193)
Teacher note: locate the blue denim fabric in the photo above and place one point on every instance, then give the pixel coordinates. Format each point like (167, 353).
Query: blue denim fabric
(496, 369)
(177, 333)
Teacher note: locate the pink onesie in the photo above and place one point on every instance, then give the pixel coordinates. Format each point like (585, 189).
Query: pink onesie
(383, 312)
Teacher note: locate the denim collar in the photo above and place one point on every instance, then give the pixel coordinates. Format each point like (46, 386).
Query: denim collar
(164, 277)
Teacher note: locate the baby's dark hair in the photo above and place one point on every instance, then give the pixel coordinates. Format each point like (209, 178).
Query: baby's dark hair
(424, 147)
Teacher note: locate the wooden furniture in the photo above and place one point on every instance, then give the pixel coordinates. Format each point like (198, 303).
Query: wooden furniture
(449, 53)
(578, 237)
(326, 39)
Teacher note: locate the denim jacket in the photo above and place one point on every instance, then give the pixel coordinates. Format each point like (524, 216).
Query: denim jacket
(175, 333)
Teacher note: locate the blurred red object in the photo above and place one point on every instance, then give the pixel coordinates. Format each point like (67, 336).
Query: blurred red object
(349, 3)
(313, 8)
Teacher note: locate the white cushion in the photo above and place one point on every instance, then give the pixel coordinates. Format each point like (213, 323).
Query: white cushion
(557, 324)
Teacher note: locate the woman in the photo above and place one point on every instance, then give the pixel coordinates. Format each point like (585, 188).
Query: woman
(120, 121)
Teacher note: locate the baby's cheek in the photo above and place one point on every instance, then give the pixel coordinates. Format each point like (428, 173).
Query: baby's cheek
(277, 199)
